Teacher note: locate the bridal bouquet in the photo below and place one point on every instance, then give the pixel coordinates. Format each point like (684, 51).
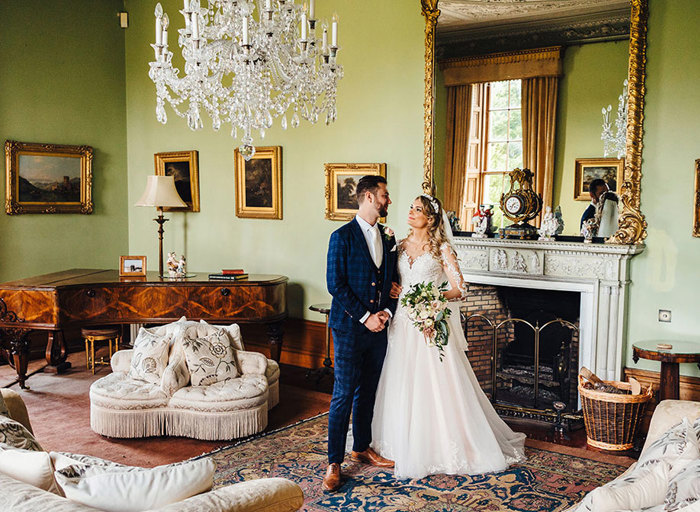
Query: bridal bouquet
(427, 308)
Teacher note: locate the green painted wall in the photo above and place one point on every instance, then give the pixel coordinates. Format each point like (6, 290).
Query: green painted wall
(380, 119)
(62, 82)
(592, 79)
(666, 274)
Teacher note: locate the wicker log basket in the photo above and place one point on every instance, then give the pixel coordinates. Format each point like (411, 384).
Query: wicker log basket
(612, 419)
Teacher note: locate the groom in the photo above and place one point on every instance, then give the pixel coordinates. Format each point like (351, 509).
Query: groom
(361, 267)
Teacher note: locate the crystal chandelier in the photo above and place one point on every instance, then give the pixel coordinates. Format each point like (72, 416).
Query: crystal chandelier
(247, 70)
(617, 143)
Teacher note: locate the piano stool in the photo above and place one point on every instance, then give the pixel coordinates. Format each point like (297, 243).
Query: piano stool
(92, 335)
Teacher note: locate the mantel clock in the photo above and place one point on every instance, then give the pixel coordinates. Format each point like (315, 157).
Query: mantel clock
(520, 204)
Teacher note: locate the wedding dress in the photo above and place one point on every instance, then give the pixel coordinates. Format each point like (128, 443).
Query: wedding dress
(431, 416)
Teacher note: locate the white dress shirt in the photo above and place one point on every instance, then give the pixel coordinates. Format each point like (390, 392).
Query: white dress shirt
(375, 251)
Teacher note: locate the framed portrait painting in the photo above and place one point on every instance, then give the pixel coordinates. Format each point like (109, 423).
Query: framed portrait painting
(259, 184)
(341, 181)
(183, 166)
(47, 178)
(588, 169)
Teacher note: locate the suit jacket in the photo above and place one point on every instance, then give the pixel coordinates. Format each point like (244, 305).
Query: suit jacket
(588, 214)
(354, 281)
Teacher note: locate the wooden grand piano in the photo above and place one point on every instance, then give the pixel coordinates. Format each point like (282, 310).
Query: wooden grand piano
(83, 297)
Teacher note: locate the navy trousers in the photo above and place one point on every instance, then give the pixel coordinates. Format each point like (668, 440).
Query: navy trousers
(358, 365)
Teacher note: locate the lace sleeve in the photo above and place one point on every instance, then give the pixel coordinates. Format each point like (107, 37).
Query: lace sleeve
(454, 275)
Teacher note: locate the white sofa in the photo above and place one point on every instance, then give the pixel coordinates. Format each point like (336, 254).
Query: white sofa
(269, 495)
(668, 414)
(125, 407)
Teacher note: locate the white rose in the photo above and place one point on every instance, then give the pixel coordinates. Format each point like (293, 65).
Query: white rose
(424, 314)
(428, 323)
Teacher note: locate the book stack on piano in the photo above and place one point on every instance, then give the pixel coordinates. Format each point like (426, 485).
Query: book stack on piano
(229, 275)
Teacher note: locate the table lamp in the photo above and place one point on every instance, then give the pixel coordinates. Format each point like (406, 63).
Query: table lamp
(161, 193)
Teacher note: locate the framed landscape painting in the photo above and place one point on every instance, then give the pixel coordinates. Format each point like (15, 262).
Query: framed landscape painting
(259, 184)
(341, 181)
(588, 169)
(183, 166)
(47, 178)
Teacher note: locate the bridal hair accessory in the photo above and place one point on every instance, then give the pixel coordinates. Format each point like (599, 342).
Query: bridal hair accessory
(433, 202)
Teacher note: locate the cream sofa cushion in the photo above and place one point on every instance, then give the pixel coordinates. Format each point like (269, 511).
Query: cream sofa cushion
(150, 356)
(16, 435)
(118, 390)
(238, 394)
(28, 466)
(210, 358)
(644, 488)
(684, 488)
(127, 489)
(677, 447)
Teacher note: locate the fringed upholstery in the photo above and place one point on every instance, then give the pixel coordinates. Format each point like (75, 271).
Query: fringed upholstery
(123, 407)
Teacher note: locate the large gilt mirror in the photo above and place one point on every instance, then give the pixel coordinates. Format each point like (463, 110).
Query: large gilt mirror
(486, 52)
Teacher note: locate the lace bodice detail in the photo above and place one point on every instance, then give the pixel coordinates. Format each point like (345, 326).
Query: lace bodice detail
(426, 268)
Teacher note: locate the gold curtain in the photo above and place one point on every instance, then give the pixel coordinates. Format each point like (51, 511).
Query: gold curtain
(539, 112)
(458, 114)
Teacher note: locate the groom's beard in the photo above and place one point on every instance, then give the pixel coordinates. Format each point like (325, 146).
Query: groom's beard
(383, 211)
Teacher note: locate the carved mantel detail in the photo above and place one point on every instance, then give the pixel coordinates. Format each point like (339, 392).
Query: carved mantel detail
(599, 272)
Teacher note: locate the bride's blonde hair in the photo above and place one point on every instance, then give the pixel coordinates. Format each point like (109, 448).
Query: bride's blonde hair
(432, 209)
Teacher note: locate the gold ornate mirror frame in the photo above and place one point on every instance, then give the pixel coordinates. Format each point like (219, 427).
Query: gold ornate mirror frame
(631, 225)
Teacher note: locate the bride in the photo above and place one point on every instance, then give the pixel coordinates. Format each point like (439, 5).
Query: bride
(431, 416)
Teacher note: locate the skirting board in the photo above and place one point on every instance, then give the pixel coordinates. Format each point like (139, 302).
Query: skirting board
(304, 342)
(689, 388)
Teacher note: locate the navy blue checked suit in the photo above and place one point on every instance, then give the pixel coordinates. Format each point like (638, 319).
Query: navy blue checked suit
(357, 286)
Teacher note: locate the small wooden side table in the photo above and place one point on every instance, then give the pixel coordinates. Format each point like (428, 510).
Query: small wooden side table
(327, 368)
(680, 352)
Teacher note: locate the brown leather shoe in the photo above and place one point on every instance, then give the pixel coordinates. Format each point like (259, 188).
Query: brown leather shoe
(331, 482)
(369, 456)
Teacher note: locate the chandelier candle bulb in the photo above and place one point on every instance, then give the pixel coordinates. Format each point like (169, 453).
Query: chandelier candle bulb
(324, 47)
(245, 31)
(334, 31)
(186, 5)
(195, 26)
(312, 9)
(159, 30)
(303, 26)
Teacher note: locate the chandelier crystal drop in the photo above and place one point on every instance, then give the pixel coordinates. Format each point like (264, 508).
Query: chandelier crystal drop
(247, 69)
(616, 144)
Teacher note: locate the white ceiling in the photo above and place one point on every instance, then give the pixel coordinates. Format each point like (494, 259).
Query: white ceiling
(459, 15)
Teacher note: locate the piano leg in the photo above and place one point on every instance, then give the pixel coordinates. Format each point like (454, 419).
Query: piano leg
(56, 353)
(15, 347)
(275, 332)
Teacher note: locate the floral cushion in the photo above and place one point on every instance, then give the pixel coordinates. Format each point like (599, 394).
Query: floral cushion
(14, 434)
(150, 356)
(210, 358)
(677, 447)
(684, 488)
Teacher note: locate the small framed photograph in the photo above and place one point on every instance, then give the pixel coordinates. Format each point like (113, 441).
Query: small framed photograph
(341, 182)
(588, 169)
(696, 205)
(47, 178)
(132, 266)
(259, 184)
(183, 166)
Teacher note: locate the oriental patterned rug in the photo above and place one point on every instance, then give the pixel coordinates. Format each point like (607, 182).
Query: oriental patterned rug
(548, 481)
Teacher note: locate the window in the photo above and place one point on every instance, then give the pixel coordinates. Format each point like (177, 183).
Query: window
(501, 142)
(504, 141)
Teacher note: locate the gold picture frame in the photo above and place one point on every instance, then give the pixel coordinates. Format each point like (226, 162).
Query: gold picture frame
(132, 266)
(259, 184)
(183, 166)
(587, 169)
(696, 209)
(47, 178)
(341, 180)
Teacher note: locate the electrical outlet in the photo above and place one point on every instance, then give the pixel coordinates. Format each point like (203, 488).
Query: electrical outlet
(664, 315)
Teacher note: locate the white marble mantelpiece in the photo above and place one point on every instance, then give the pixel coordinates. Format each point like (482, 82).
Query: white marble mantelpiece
(599, 272)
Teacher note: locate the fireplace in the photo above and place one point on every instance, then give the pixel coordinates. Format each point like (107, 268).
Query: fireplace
(508, 329)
